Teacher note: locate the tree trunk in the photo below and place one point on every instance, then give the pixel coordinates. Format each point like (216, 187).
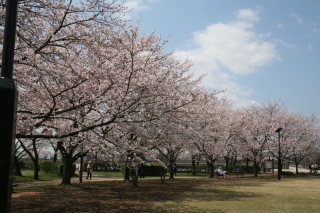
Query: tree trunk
(162, 174)
(234, 161)
(210, 165)
(255, 168)
(55, 156)
(247, 165)
(126, 173)
(36, 169)
(208, 168)
(227, 163)
(67, 170)
(194, 166)
(134, 176)
(16, 167)
(171, 170)
(297, 171)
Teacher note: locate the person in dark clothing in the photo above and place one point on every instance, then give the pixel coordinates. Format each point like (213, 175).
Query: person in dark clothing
(174, 168)
(141, 171)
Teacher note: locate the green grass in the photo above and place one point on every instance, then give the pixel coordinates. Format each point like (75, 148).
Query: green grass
(107, 174)
(290, 195)
(27, 176)
(293, 194)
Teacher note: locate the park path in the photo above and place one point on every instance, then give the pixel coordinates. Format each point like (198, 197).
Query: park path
(108, 178)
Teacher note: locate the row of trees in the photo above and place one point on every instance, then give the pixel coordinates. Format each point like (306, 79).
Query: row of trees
(89, 81)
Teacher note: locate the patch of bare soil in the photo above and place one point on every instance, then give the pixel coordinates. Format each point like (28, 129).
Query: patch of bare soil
(19, 194)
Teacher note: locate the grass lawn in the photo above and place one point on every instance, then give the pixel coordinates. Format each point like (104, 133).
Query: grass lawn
(27, 176)
(263, 194)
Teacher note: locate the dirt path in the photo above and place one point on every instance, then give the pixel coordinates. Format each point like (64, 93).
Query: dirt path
(57, 182)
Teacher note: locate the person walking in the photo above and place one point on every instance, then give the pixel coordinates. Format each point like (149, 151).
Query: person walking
(89, 170)
(174, 168)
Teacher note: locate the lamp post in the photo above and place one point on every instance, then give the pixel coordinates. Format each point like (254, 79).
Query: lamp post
(81, 164)
(279, 153)
(8, 106)
(96, 160)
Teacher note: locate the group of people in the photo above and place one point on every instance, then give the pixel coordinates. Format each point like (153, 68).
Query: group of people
(313, 168)
(141, 171)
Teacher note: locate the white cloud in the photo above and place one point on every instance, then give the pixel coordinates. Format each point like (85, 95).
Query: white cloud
(136, 5)
(234, 47)
(297, 18)
(248, 15)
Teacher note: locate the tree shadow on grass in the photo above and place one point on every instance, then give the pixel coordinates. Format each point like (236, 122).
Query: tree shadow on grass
(119, 196)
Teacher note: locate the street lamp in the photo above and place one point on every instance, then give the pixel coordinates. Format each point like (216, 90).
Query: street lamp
(279, 152)
(81, 163)
(96, 160)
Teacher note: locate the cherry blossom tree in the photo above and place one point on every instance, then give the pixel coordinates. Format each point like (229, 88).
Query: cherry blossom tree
(257, 130)
(306, 138)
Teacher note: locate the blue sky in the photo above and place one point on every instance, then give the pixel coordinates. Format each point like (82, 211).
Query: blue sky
(258, 50)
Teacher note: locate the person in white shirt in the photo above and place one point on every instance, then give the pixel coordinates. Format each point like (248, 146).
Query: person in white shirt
(89, 170)
(221, 172)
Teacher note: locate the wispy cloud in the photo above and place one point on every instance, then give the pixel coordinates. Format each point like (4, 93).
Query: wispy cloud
(283, 43)
(297, 18)
(224, 50)
(316, 28)
(135, 6)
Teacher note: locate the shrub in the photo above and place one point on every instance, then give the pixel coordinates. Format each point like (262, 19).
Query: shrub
(50, 167)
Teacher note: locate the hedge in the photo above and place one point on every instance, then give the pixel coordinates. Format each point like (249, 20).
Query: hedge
(47, 166)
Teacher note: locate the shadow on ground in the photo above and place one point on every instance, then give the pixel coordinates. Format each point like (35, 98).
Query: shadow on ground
(119, 196)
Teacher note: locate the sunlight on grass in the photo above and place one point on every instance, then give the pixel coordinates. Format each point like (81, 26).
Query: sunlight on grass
(249, 195)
